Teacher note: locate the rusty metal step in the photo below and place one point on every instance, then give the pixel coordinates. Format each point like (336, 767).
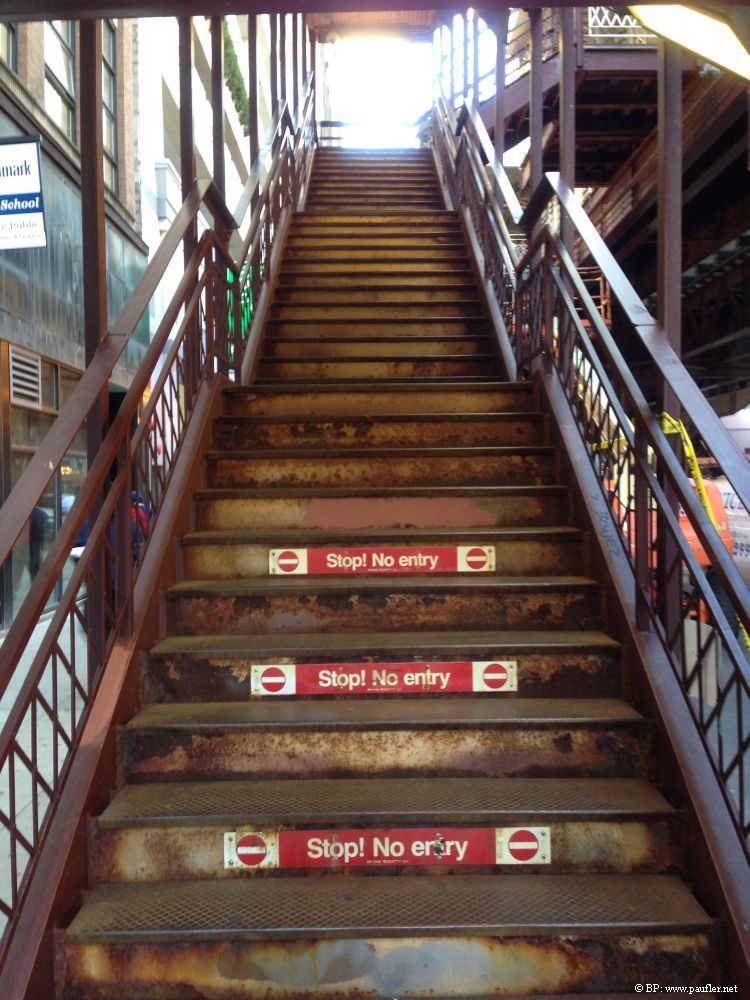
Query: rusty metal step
(343, 226)
(364, 604)
(367, 347)
(176, 830)
(368, 399)
(511, 466)
(392, 937)
(380, 507)
(404, 256)
(383, 311)
(408, 737)
(315, 264)
(394, 216)
(312, 295)
(228, 555)
(356, 368)
(221, 667)
(343, 329)
(343, 278)
(455, 429)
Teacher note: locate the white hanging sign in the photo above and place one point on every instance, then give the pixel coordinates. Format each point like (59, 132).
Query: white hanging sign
(21, 203)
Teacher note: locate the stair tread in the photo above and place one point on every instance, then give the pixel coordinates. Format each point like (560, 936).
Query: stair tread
(297, 908)
(264, 646)
(497, 801)
(299, 537)
(507, 416)
(369, 713)
(389, 584)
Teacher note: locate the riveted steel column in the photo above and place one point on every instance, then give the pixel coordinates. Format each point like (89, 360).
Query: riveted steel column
(465, 22)
(453, 59)
(536, 99)
(567, 112)
(282, 57)
(295, 62)
(314, 71)
(304, 46)
(274, 61)
(669, 204)
(252, 92)
(669, 303)
(501, 31)
(94, 295)
(187, 136)
(217, 101)
(475, 52)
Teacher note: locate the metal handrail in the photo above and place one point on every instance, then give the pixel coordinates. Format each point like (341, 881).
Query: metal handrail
(690, 595)
(127, 482)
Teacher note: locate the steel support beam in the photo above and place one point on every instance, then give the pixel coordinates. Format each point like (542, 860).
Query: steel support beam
(305, 36)
(475, 53)
(252, 87)
(465, 39)
(217, 102)
(567, 113)
(314, 71)
(536, 100)
(274, 61)
(282, 57)
(187, 136)
(453, 59)
(501, 31)
(295, 62)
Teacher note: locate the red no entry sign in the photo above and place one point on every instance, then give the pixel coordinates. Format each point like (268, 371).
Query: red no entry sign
(369, 848)
(523, 845)
(371, 560)
(251, 850)
(495, 676)
(377, 677)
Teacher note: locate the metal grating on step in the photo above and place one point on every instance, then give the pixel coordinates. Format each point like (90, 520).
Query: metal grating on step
(298, 908)
(455, 799)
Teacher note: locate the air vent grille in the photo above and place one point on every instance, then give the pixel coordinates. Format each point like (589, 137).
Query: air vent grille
(25, 378)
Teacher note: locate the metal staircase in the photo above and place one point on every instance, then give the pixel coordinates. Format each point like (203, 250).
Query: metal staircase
(439, 698)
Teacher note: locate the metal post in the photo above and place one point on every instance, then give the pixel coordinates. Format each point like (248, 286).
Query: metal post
(187, 139)
(305, 36)
(282, 57)
(314, 71)
(475, 53)
(669, 300)
(567, 113)
(94, 293)
(536, 99)
(453, 60)
(274, 60)
(501, 31)
(252, 81)
(295, 63)
(217, 101)
(465, 21)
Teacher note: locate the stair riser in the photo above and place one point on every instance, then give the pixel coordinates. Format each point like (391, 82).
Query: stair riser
(359, 403)
(363, 368)
(417, 220)
(377, 311)
(508, 470)
(465, 967)
(226, 678)
(380, 512)
(187, 852)
(362, 611)
(369, 432)
(315, 346)
(345, 296)
(340, 227)
(236, 560)
(563, 750)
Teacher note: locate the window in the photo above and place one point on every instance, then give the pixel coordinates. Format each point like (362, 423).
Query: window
(8, 45)
(59, 75)
(109, 97)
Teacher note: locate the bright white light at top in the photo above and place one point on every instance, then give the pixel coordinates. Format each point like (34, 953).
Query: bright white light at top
(383, 85)
(708, 36)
